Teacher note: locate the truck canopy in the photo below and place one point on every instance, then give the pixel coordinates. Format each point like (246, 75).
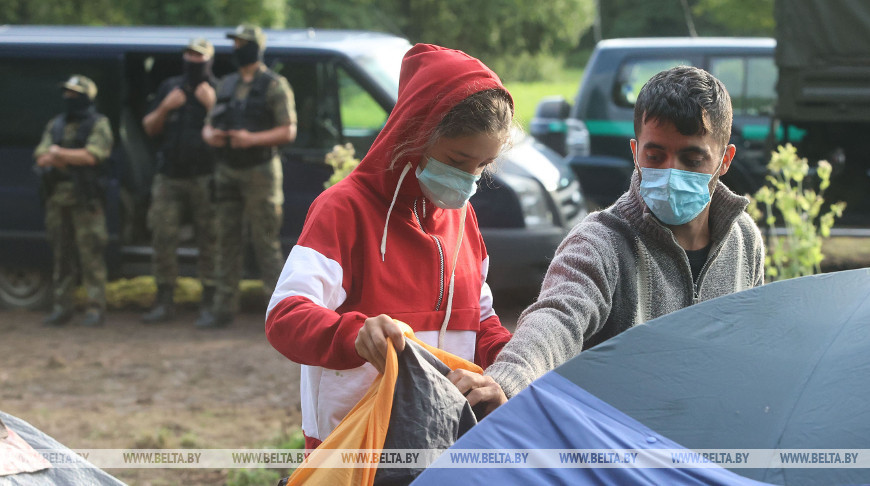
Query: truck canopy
(823, 55)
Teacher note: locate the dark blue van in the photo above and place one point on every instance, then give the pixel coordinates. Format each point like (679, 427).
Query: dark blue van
(337, 76)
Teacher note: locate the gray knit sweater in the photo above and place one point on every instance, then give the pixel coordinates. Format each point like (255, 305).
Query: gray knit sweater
(621, 267)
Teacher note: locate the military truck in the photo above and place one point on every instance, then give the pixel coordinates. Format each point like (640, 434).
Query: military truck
(823, 58)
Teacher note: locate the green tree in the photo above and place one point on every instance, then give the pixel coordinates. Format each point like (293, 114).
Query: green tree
(517, 36)
(642, 18)
(739, 17)
(492, 30)
(268, 13)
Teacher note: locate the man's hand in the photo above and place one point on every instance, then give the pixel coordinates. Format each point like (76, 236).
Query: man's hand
(206, 95)
(174, 99)
(214, 136)
(478, 389)
(241, 139)
(45, 160)
(52, 158)
(371, 341)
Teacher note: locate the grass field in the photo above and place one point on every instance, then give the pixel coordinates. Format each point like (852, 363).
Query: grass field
(528, 95)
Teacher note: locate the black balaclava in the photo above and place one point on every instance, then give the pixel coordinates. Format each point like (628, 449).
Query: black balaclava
(196, 72)
(77, 106)
(247, 54)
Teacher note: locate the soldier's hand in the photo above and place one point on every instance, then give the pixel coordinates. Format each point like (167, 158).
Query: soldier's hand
(174, 99)
(214, 136)
(53, 158)
(241, 139)
(45, 160)
(206, 95)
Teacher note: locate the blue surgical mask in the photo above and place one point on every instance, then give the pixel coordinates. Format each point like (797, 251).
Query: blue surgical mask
(447, 187)
(676, 196)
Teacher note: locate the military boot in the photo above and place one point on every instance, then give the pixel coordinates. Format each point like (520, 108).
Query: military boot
(58, 317)
(209, 319)
(93, 318)
(164, 306)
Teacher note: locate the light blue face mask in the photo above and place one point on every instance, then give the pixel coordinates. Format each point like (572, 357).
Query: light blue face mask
(676, 196)
(447, 187)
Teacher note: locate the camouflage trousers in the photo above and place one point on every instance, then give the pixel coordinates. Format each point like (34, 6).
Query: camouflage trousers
(77, 233)
(249, 198)
(171, 200)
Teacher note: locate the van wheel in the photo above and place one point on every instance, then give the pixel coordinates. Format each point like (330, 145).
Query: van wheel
(24, 288)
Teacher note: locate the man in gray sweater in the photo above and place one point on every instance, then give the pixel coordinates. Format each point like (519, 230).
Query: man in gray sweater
(664, 245)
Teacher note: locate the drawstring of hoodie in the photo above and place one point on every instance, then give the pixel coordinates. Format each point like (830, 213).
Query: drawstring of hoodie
(389, 211)
(452, 275)
(455, 251)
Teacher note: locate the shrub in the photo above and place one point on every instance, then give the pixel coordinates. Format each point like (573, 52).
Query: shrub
(799, 251)
(342, 161)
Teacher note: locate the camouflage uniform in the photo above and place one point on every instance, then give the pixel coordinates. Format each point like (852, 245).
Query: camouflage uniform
(169, 198)
(76, 223)
(184, 182)
(250, 194)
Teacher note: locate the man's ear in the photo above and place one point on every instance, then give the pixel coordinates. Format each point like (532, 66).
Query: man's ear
(633, 144)
(730, 151)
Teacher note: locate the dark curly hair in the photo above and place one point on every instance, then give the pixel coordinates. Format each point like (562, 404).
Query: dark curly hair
(692, 99)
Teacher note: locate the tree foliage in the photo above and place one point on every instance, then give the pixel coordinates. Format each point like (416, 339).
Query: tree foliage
(491, 30)
(739, 17)
(642, 18)
(520, 39)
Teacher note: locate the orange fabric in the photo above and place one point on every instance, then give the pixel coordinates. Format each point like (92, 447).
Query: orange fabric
(365, 426)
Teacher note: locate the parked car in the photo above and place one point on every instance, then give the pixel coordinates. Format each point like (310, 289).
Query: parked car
(345, 84)
(594, 133)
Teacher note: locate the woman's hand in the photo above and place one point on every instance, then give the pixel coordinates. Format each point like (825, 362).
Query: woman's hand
(371, 342)
(478, 389)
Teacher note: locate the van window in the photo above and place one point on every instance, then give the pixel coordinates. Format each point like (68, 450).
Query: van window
(362, 117)
(635, 73)
(30, 91)
(751, 82)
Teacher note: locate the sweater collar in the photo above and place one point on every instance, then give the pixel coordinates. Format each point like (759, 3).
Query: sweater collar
(725, 208)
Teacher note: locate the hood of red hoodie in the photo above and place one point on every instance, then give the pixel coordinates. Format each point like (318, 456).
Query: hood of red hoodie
(433, 80)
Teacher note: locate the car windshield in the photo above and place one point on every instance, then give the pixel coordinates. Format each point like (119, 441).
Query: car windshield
(383, 65)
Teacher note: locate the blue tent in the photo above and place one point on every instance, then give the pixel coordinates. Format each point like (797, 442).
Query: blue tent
(781, 367)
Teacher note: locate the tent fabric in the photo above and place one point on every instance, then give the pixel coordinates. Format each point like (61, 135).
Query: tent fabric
(18, 456)
(429, 413)
(782, 366)
(554, 413)
(35, 438)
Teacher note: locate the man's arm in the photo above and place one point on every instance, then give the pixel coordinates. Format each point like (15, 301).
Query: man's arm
(40, 154)
(267, 138)
(155, 120)
(279, 99)
(97, 148)
(575, 302)
(71, 157)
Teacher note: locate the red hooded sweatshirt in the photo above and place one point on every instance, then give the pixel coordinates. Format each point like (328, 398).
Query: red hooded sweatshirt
(373, 244)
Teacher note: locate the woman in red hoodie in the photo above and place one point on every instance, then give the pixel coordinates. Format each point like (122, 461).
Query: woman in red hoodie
(396, 239)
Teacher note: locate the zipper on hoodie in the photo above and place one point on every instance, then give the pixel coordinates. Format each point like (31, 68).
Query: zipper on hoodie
(440, 256)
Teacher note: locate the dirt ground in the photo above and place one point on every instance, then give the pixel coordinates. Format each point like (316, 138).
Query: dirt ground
(128, 385)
